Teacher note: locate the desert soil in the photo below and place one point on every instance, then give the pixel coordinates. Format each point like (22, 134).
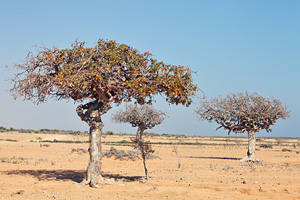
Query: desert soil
(31, 169)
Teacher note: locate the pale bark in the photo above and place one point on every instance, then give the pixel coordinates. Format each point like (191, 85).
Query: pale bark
(92, 116)
(139, 134)
(93, 171)
(251, 148)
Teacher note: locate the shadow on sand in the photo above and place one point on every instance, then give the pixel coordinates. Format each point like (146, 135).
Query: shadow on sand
(73, 175)
(217, 158)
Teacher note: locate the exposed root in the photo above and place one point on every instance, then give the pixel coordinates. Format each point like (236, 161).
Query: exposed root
(93, 184)
(100, 180)
(83, 183)
(252, 159)
(110, 181)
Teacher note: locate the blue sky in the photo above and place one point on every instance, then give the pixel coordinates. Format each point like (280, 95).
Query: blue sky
(233, 46)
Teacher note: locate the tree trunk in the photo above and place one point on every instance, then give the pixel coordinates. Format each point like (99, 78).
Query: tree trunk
(93, 171)
(139, 135)
(92, 116)
(251, 148)
(140, 145)
(145, 166)
(176, 151)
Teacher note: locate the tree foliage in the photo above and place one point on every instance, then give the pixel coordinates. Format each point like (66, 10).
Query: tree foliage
(140, 116)
(107, 72)
(243, 112)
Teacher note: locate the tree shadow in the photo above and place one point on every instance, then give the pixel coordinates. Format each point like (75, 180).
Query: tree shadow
(64, 175)
(124, 178)
(218, 158)
(73, 175)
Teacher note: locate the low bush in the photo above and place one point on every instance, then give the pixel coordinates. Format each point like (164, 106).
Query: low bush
(266, 146)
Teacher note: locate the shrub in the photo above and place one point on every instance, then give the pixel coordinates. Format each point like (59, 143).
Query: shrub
(109, 133)
(266, 146)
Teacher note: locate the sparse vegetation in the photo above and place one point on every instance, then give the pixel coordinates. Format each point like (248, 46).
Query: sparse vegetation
(44, 145)
(287, 150)
(266, 146)
(79, 150)
(9, 140)
(109, 133)
(3, 129)
(64, 141)
(122, 155)
(43, 131)
(14, 160)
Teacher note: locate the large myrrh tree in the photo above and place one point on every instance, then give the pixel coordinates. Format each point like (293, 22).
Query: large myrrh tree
(243, 112)
(97, 77)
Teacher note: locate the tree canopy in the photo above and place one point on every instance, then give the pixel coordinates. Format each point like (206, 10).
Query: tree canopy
(107, 72)
(243, 112)
(138, 116)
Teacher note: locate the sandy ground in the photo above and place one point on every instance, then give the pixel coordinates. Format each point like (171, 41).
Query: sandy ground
(29, 169)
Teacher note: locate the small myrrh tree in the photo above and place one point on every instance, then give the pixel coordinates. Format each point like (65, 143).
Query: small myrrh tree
(143, 117)
(97, 77)
(243, 112)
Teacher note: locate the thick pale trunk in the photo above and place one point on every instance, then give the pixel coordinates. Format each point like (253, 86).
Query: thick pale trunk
(251, 148)
(93, 171)
(251, 145)
(92, 116)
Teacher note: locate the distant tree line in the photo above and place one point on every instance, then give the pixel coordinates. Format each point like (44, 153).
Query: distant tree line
(72, 132)
(43, 131)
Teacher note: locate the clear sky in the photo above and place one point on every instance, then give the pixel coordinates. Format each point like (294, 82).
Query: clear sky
(233, 46)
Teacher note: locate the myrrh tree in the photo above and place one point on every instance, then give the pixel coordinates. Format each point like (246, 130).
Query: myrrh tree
(143, 117)
(96, 77)
(243, 112)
